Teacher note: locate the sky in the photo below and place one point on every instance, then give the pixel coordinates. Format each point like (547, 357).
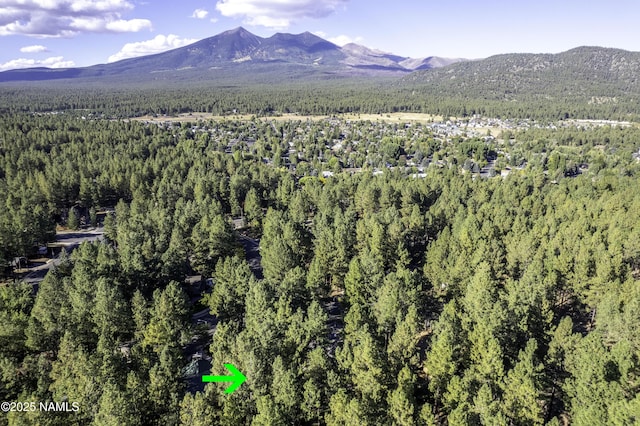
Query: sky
(74, 33)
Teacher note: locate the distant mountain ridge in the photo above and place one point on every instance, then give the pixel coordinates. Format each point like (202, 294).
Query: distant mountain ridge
(229, 49)
(234, 58)
(584, 72)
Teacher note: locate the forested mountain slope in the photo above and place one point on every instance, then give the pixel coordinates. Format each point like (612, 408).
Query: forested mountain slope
(593, 74)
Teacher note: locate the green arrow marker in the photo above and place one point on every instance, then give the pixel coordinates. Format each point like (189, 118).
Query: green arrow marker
(237, 378)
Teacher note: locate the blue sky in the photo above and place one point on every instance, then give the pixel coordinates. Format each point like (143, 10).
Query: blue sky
(62, 33)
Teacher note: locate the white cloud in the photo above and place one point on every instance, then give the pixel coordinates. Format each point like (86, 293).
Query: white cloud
(159, 43)
(200, 14)
(130, 26)
(95, 25)
(65, 18)
(277, 14)
(9, 15)
(340, 40)
(94, 5)
(34, 49)
(53, 62)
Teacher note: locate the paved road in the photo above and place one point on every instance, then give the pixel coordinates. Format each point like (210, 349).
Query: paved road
(69, 240)
(486, 171)
(335, 322)
(252, 253)
(196, 352)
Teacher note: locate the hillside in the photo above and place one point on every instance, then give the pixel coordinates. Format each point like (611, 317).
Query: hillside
(593, 74)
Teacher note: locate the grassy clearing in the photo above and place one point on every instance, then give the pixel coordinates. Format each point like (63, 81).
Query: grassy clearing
(391, 117)
(395, 116)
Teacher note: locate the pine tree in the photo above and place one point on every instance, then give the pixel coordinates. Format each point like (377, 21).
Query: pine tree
(346, 410)
(232, 279)
(74, 377)
(196, 410)
(284, 390)
(447, 350)
(73, 222)
(402, 404)
(167, 318)
(253, 209)
(522, 388)
(280, 246)
(115, 408)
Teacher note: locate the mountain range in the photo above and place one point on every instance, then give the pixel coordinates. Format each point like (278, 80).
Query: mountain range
(237, 58)
(235, 50)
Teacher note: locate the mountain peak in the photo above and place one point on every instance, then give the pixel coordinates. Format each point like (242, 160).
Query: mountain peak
(239, 51)
(237, 30)
(306, 37)
(360, 49)
(311, 35)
